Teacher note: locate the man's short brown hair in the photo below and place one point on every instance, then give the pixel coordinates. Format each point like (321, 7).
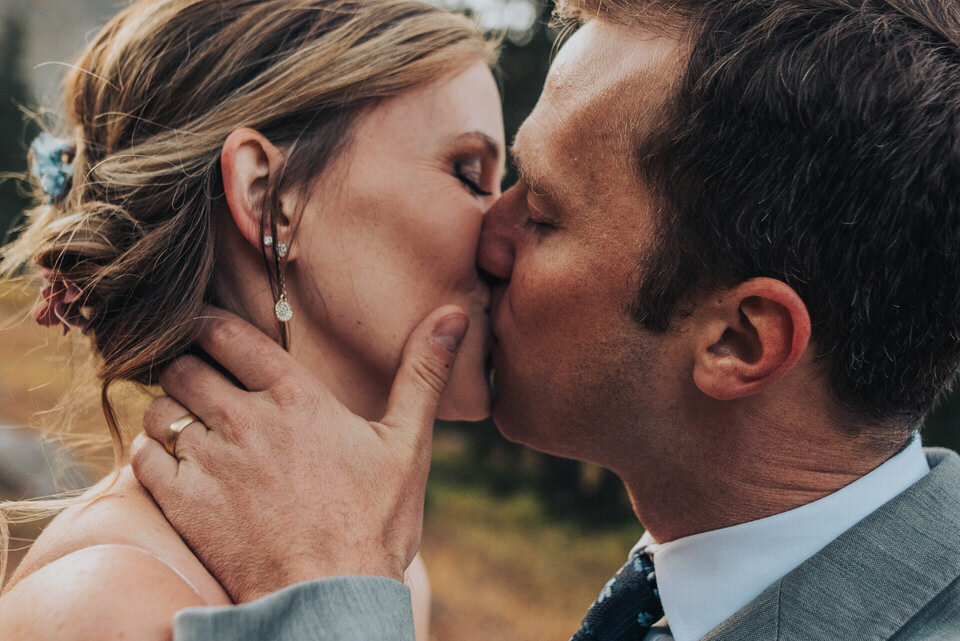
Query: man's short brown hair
(816, 142)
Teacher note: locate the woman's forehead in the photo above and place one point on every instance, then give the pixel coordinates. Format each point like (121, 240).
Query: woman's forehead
(458, 104)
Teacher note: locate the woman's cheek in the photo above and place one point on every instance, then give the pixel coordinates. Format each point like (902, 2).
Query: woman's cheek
(459, 238)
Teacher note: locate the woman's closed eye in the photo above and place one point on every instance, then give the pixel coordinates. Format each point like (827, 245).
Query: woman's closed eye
(470, 173)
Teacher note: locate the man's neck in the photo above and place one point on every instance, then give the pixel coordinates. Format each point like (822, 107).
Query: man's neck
(728, 477)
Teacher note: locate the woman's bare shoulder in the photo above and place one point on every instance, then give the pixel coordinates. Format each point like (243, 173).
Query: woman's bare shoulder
(99, 592)
(123, 516)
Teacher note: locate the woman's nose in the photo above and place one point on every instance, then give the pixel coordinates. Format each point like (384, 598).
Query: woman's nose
(497, 249)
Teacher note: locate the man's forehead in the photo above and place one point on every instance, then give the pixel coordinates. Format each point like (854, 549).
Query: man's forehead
(604, 91)
(602, 58)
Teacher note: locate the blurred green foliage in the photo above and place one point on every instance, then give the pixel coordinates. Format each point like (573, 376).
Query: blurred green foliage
(16, 128)
(522, 70)
(941, 427)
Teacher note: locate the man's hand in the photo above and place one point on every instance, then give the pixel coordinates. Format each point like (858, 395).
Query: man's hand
(280, 483)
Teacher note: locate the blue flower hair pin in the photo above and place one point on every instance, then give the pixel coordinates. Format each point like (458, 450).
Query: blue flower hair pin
(52, 164)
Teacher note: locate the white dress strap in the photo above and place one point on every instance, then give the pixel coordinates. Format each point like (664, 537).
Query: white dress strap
(153, 556)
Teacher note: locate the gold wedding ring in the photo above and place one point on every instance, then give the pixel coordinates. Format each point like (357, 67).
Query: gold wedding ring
(173, 432)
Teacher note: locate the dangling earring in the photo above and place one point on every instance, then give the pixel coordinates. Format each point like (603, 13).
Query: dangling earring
(282, 309)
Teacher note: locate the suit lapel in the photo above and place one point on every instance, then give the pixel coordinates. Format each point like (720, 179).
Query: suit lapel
(873, 578)
(756, 621)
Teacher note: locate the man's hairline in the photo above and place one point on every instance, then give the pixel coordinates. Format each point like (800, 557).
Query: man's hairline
(659, 21)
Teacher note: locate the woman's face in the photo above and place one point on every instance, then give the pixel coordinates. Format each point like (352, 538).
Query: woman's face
(390, 233)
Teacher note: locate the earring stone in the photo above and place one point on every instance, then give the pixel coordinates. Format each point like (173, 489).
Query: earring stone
(282, 249)
(268, 241)
(283, 310)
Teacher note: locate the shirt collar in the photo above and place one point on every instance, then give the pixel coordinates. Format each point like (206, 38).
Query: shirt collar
(705, 578)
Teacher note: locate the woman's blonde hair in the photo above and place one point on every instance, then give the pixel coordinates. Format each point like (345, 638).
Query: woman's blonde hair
(149, 105)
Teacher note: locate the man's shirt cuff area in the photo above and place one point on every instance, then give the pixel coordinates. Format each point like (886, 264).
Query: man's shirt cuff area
(348, 608)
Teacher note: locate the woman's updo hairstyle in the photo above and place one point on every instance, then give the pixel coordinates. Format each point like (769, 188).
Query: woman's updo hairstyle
(151, 102)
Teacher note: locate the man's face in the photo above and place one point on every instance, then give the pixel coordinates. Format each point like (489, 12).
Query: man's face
(575, 373)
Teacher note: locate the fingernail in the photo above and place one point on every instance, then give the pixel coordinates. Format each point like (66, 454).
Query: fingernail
(450, 331)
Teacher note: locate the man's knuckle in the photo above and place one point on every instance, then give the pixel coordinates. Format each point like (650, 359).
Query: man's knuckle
(262, 352)
(155, 412)
(150, 414)
(175, 371)
(219, 415)
(237, 421)
(431, 373)
(201, 456)
(224, 332)
(292, 391)
(139, 457)
(167, 376)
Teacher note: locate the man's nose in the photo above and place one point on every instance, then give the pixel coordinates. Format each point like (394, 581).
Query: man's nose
(497, 249)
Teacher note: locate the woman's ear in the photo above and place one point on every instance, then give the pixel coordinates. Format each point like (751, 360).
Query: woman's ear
(249, 161)
(750, 336)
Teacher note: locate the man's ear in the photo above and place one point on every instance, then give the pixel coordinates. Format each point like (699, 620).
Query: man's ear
(248, 162)
(749, 337)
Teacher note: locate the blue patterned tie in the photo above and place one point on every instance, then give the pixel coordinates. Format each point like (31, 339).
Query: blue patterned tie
(627, 606)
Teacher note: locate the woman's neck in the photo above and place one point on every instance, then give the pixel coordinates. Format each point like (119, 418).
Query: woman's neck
(243, 288)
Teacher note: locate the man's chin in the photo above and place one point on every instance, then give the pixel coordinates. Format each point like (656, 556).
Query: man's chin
(511, 415)
(511, 427)
(537, 431)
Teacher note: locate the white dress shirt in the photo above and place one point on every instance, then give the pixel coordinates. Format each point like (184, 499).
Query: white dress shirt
(705, 578)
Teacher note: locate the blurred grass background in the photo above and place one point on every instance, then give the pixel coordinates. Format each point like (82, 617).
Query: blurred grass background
(517, 544)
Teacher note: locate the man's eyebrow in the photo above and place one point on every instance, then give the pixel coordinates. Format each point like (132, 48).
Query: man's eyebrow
(534, 182)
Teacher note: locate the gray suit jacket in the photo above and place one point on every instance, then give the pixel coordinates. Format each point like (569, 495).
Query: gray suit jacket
(895, 575)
